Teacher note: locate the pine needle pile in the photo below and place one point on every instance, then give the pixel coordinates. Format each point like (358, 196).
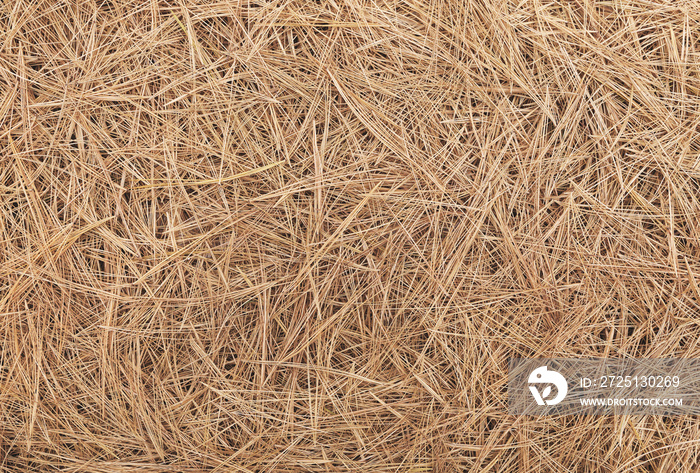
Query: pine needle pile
(306, 236)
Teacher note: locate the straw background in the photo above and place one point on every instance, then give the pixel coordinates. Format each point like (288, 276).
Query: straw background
(250, 235)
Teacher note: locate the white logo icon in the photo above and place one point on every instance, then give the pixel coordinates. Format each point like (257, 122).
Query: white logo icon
(542, 376)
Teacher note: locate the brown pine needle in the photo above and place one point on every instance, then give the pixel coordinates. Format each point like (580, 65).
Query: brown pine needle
(210, 181)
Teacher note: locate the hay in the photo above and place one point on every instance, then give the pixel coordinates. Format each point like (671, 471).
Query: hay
(307, 236)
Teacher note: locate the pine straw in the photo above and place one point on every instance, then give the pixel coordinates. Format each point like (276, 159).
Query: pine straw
(307, 236)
